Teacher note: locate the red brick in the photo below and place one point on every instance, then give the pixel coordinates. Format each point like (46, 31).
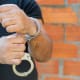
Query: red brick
(56, 32)
(72, 68)
(50, 67)
(56, 78)
(51, 2)
(78, 56)
(62, 50)
(78, 47)
(73, 33)
(59, 15)
(73, 1)
(52, 78)
(68, 79)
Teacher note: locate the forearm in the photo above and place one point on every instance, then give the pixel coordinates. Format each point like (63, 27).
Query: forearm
(41, 47)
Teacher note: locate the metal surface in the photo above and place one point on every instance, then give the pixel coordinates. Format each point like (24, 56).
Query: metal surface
(26, 57)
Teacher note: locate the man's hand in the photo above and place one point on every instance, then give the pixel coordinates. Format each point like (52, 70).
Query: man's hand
(15, 20)
(12, 49)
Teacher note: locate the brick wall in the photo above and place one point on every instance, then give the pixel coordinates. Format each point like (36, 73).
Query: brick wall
(62, 23)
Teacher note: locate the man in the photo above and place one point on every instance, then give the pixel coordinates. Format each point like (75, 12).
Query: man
(19, 18)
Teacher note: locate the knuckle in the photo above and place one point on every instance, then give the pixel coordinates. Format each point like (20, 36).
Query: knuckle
(13, 6)
(18, 62)
(22, 54)
(3, 24)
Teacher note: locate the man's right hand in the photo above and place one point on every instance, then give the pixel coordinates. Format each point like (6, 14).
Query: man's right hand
(12, 49)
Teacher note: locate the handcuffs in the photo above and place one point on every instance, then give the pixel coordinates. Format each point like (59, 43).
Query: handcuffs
(26, 57)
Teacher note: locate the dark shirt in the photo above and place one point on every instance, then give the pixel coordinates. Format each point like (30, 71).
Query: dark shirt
(31, 9)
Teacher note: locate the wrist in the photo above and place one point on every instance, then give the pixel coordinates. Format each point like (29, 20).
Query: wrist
(35, 29)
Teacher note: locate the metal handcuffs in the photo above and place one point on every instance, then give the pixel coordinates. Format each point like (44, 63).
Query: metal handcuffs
(26, 57)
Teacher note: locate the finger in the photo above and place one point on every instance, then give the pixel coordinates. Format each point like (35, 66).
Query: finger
(17, 47)
(7, 7)
(14, 28)
(17, 40)
(17, 55)
(15, 61)
(10, 37)
(9, 14)
(8, 21)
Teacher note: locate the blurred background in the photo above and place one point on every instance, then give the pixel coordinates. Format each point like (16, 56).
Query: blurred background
(62, 23)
